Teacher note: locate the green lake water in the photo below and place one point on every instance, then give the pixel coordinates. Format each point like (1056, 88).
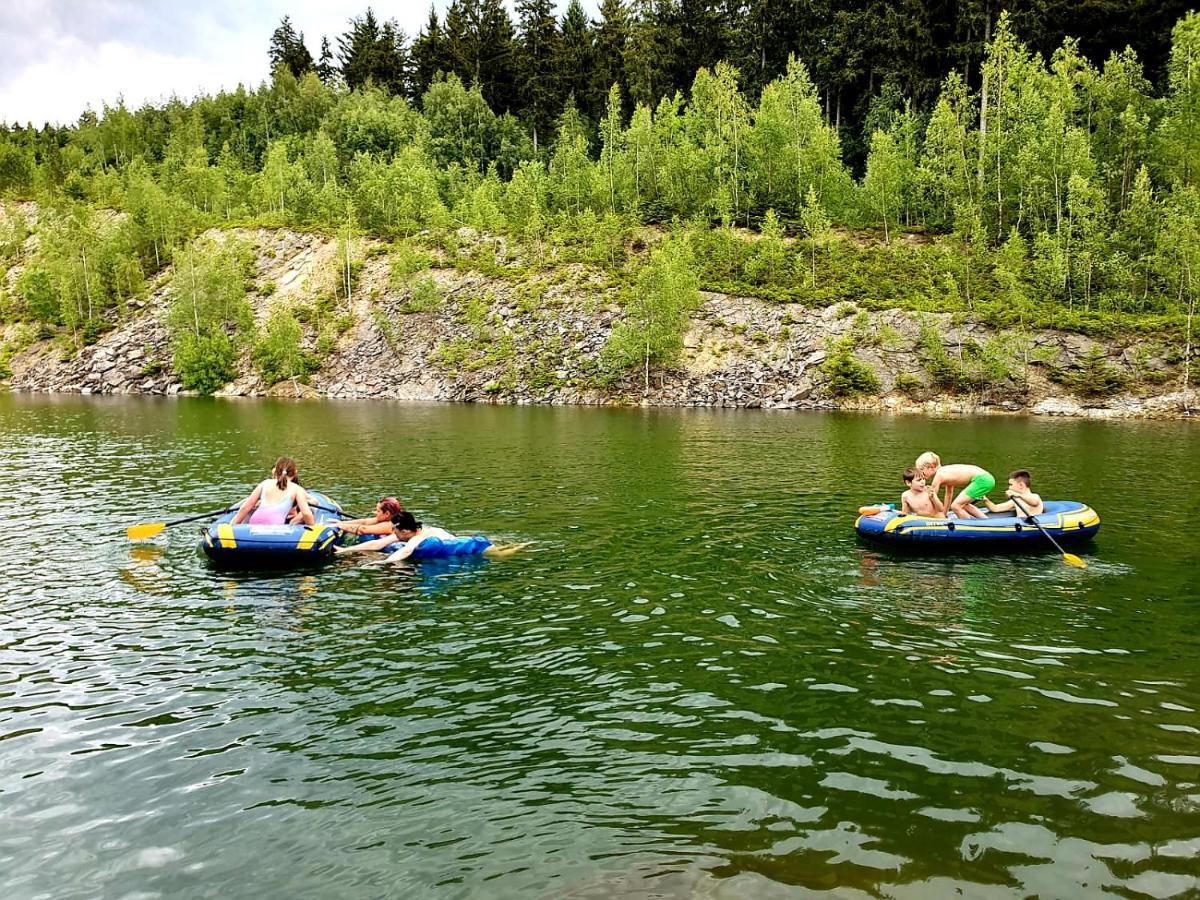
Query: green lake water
(695, 684)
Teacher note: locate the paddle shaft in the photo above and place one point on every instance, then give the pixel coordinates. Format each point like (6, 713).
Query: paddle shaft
(220, 512)
(1019, 505)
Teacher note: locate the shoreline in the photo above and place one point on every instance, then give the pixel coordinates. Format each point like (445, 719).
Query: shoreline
(945, 408)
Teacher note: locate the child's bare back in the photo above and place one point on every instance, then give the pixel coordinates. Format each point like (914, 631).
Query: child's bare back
(955, 475)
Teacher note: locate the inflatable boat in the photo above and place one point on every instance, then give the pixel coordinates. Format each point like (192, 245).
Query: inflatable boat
(275, 546)
(1068, 522)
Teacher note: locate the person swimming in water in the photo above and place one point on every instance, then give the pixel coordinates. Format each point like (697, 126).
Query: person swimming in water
(421, 541)
(272, 501)
(378, 524)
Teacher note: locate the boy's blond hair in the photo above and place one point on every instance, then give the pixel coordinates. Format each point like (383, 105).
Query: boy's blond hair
(928, 458)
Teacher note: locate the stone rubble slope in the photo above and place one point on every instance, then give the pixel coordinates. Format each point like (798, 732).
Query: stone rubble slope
(540, 340)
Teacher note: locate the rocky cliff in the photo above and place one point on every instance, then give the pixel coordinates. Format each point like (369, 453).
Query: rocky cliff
(487, 336)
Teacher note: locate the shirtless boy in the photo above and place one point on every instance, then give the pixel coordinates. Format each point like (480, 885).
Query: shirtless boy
(917, 500)
(974, 481)
(1019, 488)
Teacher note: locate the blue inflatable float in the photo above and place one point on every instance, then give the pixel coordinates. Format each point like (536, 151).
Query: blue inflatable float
(436, 548)
(1068, 522)
(275, 546)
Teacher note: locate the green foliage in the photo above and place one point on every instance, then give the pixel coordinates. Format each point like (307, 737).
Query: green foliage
(205, 362)
(209, 314)
(848, 376)
(1096, 377)
(1060, 195)
(277, 354)
(406, 260)
(425, 296)
(909, 384)
(657, 310)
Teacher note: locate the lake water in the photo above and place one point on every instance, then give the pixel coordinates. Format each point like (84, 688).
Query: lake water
(695, 684)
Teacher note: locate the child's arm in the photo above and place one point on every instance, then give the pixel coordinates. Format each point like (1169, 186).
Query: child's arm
(407, 550)
(1031, 502)
(301, 501)
(247, 506)
(905, 509)
(1006, 506)
(364, 546)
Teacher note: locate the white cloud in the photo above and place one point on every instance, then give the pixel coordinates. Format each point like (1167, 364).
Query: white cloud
(61, 56)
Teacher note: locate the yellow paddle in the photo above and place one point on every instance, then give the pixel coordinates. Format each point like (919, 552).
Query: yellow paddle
(1069, 558)
(150, 529)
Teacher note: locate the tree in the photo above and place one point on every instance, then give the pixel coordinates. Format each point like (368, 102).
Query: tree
(287, 49)
(373, 52)
(326, 69)
(497, 76)
(1180, 265)
(209, 315)
(816, 225)
(613, 161)
(609, 37)
(946, 171)
(650, 52)
(1180, 133)
(461, 125)
(657, 311)
(884, 180)
(575, 59)
(429, 55)
(537, 75)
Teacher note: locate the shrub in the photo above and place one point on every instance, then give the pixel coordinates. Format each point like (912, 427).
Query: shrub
(277, 353)
(205, 362)
(425, 296)
(849, 376)
(37, 290)
(909, 384)
(1095, 376)
(406, 260)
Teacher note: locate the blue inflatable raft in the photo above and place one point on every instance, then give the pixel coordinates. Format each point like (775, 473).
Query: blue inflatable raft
(1068, 522)
(275, 546)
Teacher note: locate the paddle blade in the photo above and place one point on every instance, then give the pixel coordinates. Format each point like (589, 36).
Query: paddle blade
(147, 530)
(1072, 560)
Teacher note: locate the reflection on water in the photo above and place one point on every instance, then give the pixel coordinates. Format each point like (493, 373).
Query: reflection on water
(696, 683)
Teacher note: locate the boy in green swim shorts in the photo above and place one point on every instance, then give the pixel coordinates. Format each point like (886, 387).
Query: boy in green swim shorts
(974, 481)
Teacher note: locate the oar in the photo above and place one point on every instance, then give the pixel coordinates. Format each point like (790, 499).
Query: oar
(150, 529)
(1069, 558)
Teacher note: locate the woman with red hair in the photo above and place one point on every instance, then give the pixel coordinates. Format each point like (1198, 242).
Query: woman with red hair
(380, 523)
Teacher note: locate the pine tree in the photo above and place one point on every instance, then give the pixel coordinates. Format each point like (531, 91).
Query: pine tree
(287, 49)
(373, 52)
(650, 52)
(497, 66)
(326, 68)
(575, 59)
(537, 76)
(1180, 138)
(609, 36)
(428, 55)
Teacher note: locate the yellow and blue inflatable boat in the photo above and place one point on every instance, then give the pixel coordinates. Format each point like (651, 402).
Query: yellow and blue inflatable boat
(1068, 522)
(275, 546)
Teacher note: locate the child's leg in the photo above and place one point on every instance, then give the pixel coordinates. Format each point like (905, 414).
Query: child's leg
(965, 507)
(501, 551)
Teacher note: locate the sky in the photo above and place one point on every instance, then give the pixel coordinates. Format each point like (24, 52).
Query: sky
(58, 57)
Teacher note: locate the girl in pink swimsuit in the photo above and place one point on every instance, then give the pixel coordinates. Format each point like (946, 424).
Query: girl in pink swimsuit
(272, 501)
